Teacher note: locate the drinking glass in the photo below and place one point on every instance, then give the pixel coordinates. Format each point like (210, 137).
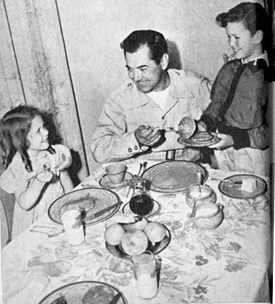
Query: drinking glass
(73, 226)
(145, 274)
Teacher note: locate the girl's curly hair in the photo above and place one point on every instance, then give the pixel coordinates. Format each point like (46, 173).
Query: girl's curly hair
(14, 128)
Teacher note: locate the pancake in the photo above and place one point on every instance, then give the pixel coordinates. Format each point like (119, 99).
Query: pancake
(98, 294)
(174, 179)
(202, 136)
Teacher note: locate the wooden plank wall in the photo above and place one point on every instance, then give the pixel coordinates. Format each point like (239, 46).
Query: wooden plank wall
(34, 70)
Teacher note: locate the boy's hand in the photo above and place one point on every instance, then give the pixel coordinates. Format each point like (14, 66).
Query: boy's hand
(225, 142)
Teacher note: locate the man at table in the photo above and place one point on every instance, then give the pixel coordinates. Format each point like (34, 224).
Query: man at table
(132, 120)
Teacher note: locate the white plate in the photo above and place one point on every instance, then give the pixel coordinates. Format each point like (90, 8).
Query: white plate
(90, 200)
(199, 143)
(233, 187)
(85, 292)
(174, 176)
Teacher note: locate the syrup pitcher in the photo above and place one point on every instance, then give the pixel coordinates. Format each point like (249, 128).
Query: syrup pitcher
(141, 202)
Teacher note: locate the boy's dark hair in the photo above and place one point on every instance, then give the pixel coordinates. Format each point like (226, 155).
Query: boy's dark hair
(253, 16)
(152, 39)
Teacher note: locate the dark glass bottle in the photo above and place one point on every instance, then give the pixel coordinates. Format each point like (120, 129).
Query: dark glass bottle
(141, 202)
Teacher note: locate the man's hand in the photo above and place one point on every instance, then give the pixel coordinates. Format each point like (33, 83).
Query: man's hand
(225, 142)
(147, 136)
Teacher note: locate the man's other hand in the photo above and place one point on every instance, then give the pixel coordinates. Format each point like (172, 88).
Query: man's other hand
(147, 135)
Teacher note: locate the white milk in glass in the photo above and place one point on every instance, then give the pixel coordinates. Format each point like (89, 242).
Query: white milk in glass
(145, 275)
(73, 226)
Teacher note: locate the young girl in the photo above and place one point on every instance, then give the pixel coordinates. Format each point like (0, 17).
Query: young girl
(238, 105)
(34, 170)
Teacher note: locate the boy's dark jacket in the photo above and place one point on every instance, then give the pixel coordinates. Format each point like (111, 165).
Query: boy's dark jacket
(239, 103)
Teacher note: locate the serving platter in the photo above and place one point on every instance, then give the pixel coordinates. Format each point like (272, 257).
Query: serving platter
(232, 186)
(199, 140)
(174, 176)
(90, 200)
(84, 292)
(105, 182)
(153, 247)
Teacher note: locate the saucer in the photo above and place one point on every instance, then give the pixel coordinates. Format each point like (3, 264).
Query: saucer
(234, 189)
(156, 209)
(105, 182)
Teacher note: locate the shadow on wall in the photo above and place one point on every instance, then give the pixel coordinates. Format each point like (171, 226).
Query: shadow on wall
(174, 56)
(55, 138)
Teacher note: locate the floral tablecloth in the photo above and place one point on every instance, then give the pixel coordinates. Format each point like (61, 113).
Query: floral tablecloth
(229, 264)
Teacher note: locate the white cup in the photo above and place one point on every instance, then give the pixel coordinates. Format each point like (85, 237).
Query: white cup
(73, 226)
(116, 172)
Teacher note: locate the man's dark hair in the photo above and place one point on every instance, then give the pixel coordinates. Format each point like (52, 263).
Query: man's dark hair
(152, 39)
(253, 16)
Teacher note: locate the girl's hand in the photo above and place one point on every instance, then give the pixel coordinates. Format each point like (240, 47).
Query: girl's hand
(63, 164)
(45, 176)
(225, 142)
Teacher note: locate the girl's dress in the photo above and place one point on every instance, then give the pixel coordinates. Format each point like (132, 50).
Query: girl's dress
(15, 180)
(239, 108)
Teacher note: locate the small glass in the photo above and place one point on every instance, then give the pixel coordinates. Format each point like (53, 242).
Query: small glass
(145, 274)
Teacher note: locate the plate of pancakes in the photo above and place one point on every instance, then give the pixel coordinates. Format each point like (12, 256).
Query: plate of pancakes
(200, 139)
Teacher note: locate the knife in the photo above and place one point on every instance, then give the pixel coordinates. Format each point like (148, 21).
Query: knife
(99, 213)
(116, 298)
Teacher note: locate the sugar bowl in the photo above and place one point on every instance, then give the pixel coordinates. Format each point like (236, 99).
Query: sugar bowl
(200, 194)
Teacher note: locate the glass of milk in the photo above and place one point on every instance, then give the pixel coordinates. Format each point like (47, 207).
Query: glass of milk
(145, 274)
(73, 226)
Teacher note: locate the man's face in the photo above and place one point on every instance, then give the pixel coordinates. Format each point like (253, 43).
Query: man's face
(243, 44)
(143, 71)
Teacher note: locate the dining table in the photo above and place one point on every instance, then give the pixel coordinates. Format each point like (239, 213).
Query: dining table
(227, 264)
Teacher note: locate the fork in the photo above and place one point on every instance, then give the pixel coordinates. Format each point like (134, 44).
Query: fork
(46, 168)
(140, 169)
(144, 167)
(171, 129)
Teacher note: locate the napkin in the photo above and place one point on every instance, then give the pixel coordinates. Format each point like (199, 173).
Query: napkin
(28, 289)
